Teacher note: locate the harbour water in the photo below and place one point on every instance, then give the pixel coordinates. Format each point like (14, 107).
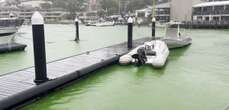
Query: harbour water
(195, 78)
(60, 44)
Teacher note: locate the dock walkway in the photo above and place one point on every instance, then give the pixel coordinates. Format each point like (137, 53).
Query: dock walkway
(19, 87)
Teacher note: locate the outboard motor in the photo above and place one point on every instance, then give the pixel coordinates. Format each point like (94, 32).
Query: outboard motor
(140, 57)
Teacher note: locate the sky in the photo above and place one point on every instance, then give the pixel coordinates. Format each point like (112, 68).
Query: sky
(2, 0)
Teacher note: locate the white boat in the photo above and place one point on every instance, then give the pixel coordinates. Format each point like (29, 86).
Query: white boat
(7, 39)
(5, 31)
(8, 27)
(154, 53)
(90, 23)
(174, 38)
(160, 25)
(7, 34)
(103, 24)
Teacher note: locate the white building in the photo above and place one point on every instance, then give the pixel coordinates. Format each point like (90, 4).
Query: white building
(92, 5)
(34, 3)
(26, 9)
(211, 11)
(50, 15)
(181, 10)
(162, 12)
(177, 10)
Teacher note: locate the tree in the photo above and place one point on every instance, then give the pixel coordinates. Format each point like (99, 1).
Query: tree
(12, 2)
(113, 6)
(137, 4)
(109, 6)
(45, 5)
(72, 6)
(132, 5)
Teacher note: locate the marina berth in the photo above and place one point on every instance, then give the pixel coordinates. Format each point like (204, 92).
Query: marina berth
(133, 57)
(20, 85)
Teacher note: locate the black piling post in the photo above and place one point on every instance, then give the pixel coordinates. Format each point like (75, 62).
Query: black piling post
(39, 48)
(77, 29)
(130, 33)
(153, 28)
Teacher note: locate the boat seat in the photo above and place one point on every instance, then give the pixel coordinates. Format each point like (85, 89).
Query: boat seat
(151, 53)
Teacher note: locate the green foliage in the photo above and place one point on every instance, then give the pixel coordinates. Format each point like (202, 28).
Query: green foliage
(138, 4)
(12, 2)
(109, 6)
(112, 6)
(45, 5)
(71, 6)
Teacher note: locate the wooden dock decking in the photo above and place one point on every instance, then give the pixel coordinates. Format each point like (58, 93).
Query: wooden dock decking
(19, 86)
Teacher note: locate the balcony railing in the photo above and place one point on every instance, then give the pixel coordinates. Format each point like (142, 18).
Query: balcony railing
(211, 12)
(213, 22)
(163, 12)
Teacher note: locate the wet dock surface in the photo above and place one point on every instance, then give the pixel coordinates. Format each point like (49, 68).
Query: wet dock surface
(18, 87)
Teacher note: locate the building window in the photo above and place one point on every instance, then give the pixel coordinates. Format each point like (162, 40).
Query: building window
(206, 18)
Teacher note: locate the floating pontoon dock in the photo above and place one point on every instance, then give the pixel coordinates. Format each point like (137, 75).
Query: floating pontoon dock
(11, 47)
(18, 87)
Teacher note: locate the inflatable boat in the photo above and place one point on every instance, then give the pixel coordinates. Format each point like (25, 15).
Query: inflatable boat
(154, 53)
(174, 38)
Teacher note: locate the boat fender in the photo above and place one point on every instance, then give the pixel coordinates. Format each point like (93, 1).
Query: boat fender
(126, 59)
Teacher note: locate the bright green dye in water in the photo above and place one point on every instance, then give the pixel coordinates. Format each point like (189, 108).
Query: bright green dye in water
(60, 44)
(195, 78)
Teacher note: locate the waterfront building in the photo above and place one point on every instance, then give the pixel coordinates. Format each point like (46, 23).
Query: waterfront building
(181, 10)
(26, 9)
(176, 10)
(93, 5)
(162, 12)
(51, 15)
(89, 16)
(211, 11)
(5, 11)
(34, 3)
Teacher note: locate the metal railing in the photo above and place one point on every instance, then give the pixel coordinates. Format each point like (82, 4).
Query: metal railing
(209, 12)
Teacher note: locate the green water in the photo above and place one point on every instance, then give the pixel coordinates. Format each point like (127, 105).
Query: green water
(60, 44)
(195, 78)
